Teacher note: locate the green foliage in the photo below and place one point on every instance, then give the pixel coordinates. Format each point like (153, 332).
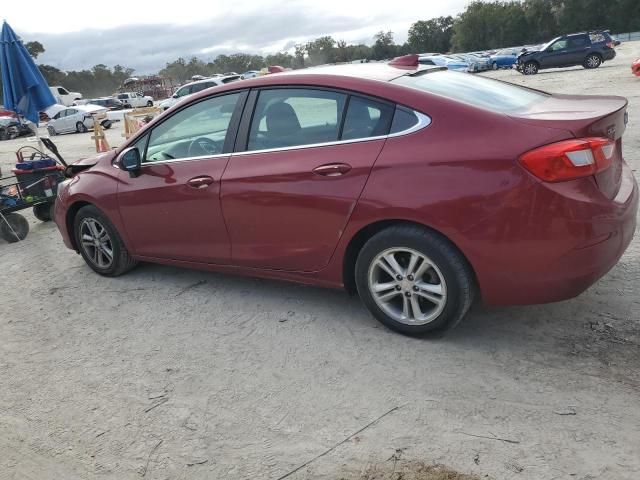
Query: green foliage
(34, 48)
(497, 24)
(384, 46)
(431, 35)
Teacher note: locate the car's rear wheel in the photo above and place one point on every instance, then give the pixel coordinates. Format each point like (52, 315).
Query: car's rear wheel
(592, 61)
(530, 68)
(100, 243)
(81, 127)
(413, 280)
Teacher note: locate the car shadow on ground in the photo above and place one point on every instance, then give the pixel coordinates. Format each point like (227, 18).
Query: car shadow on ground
(571, 334)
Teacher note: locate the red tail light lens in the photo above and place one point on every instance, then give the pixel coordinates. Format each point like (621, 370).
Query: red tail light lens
(611, 44)
(569, 159)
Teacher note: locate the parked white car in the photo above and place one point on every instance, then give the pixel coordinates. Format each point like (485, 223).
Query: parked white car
(194, 87)
(64, 96)
(134, 99)
(74, 119)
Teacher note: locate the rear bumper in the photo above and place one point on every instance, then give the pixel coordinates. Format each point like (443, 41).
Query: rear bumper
(565, 237)
(609, 54)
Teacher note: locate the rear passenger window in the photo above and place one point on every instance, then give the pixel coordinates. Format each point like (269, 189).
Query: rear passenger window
(403, 119)
(366, 118)
(577, 42)
(292, 116)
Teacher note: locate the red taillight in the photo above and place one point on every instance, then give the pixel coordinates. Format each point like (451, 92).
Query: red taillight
(569, 159)
(611, 44)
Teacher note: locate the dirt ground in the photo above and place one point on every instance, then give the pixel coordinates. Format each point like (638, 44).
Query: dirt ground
(176, 374)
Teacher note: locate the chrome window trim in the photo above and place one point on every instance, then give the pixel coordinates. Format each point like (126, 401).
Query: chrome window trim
(423, 122)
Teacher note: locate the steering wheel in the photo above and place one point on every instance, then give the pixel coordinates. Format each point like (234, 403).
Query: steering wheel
(203, 146)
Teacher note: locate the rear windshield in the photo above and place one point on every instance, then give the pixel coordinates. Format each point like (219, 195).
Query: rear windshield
(477, 91)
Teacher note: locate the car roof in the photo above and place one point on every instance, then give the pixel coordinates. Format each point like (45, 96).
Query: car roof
(372, 71)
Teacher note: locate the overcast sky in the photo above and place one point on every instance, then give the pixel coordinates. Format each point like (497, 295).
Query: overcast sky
(147, 34)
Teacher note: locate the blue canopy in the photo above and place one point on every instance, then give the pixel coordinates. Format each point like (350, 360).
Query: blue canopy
(24, 89)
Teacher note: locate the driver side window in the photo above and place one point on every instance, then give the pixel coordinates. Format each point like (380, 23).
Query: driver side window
(198, 130)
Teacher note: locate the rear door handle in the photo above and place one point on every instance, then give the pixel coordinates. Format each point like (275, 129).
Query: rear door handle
(200, 182)
(332, 169)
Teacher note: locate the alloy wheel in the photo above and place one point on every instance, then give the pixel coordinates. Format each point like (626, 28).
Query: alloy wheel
(407, 286)
(530, 69)
(96, 243)
(593, 61)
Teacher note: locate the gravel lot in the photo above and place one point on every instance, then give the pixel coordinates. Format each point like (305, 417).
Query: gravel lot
(177, 374)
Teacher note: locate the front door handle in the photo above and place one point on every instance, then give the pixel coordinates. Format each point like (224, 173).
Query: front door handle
(332, 169)
(200, 182)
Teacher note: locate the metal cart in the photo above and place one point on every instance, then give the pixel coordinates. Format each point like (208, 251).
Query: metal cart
(33, 185)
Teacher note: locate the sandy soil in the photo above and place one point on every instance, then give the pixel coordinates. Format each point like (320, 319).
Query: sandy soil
(177, 374)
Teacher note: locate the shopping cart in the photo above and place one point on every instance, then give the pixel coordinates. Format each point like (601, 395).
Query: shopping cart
(34, 184)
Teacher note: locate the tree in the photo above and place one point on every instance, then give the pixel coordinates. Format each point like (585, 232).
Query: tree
(321, 51)
(431, 35)
(283, 59)
(34, 48)
(384, 46)
(486, 25)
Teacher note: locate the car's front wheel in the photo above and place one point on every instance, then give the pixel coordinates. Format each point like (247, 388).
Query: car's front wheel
(413, 280)
(100, 243)
(592, 61)
(81, 128)
(149, 103)
(530, 68)
(52, 131)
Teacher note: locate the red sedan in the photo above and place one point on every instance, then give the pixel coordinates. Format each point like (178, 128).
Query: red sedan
(419, 188)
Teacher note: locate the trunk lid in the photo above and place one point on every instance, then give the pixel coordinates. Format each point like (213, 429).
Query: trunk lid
(585, 116)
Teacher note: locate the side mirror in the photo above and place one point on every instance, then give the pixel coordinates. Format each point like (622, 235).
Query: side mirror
(130, 161)
(175, 95)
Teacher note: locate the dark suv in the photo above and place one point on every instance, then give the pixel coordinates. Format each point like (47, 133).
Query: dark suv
(588, 49)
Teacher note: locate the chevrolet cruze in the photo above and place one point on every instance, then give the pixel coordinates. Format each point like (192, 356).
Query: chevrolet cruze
(419, 188)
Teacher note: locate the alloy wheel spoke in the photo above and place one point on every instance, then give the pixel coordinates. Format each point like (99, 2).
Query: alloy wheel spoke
(384, 266)
(385, 297)
(413, 261)
(422, 269)
(415, 306)
(406, 308)
(108, 253)
(383, 287)
(393, 263)
(435, 299)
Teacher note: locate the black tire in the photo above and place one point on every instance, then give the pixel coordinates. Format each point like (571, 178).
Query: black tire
(494, 66)
(43, 212)
(14, 227)
(3, 134)
(593, 60)
(451, 265)
(81, 128)
(149, 103)
(106, 124)
(121, 261)
(52, 131)
(530, 68)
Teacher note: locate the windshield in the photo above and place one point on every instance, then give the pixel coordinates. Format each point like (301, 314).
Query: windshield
(548, 44)
(477, 91)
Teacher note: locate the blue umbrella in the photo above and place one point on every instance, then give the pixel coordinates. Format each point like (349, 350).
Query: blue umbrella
(24, 89)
